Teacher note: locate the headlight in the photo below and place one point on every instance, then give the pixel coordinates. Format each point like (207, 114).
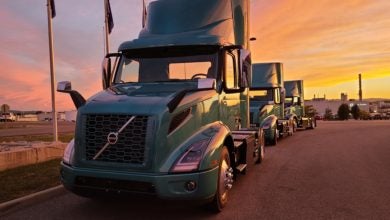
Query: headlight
(191, 158)
(68, 153)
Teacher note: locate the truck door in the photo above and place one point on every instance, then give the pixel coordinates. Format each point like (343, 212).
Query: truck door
(230, 96)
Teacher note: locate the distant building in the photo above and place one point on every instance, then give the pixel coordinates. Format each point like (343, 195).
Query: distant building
(27, 117)
(47, 116)
(70, 115)
(333, 105)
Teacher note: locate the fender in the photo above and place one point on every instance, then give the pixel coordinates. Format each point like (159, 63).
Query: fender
(291, 117)
(269, 122)
(216, 132)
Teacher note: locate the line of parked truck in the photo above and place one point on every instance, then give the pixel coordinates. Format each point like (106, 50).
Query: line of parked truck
(277, 106)
(183, 112)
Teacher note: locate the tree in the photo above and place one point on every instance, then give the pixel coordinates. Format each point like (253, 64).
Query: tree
(343, 112)
(328, 114)
(355, 111)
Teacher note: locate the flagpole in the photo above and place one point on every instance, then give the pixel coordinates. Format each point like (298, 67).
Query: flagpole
(52, 76)
(104, 41)
(106, 27)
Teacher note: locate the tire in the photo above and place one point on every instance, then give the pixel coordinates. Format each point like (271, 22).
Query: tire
(312, 124)
(291, 130)
(225, 171)
(260, 157)
(274, 141)
(295, 125)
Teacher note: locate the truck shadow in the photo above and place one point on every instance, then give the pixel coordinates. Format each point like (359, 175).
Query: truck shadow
(143, 208)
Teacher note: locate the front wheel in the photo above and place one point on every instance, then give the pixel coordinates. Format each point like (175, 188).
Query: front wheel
(274, 140)
(313, 124)
(295, 125)
(225, 181)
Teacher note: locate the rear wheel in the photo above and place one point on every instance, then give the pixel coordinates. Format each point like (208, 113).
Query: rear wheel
(295, 125)
(274, 140)
(312, 124)
(224, 184)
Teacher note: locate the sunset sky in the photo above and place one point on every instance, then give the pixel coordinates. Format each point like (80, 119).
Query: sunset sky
(327, 43)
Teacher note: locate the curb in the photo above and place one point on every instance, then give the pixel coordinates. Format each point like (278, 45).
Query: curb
(16, 204)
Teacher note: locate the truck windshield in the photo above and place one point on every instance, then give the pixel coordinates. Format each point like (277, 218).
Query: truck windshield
(166, 66)
(261, 95)
(288, 101)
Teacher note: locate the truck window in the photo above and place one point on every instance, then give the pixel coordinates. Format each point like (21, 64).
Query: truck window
(231, 74)
(163, 66)
(288, 101)
(261, 95)
(128, 71)
(188, 70)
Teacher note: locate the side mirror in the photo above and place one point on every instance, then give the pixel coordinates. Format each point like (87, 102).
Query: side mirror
(106, 72)
(64, 86)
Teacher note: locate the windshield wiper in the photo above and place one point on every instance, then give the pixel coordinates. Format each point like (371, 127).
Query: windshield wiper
(172, 80)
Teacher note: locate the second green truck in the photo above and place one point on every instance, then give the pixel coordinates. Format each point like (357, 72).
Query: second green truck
(267, 101)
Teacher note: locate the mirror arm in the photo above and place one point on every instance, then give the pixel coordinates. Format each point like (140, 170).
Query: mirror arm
(113, 55)
(77, 98)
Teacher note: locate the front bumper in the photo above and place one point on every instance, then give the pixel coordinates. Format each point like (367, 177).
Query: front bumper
(165, 186)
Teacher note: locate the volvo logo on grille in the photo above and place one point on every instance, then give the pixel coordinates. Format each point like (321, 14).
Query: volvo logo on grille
(112, 138)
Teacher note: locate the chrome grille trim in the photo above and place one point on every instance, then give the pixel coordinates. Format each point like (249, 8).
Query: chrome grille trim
(131, 145)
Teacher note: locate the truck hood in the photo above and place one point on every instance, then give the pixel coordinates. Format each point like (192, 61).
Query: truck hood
(260, 110)
(138, 99)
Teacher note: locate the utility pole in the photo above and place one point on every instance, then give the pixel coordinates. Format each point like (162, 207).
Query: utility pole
(106, 28)
(50, 15)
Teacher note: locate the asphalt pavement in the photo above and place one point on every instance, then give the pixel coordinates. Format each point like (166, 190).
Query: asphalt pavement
(340, 170)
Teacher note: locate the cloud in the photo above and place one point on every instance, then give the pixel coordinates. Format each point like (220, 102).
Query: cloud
(325, 42)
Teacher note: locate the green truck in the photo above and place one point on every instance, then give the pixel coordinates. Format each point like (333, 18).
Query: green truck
(295, 105)
(267, 95)
(172, 120)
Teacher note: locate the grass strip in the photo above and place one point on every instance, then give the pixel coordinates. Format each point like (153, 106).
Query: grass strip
(65, 138)
(25, 180)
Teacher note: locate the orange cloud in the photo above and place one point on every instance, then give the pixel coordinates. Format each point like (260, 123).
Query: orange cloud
(325, 42)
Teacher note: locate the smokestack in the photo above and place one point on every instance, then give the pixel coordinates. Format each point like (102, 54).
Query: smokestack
(360, 87)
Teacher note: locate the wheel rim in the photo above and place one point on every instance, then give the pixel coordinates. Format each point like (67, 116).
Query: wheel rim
(225, 179)
(276, 135)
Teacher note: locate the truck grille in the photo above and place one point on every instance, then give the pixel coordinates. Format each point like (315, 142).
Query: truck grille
(130, 146)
